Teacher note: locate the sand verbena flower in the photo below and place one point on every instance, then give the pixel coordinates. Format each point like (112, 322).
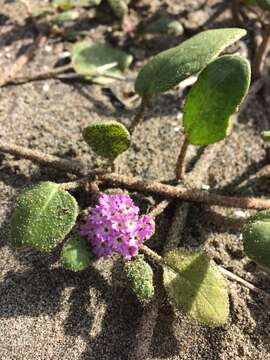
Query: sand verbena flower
(114, 225)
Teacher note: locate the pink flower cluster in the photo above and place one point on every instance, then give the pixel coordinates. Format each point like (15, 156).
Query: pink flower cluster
(114, 225)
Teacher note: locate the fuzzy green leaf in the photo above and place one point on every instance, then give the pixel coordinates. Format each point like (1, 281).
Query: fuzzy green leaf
(43, 216)
(76, 254)
(68, 15)
(119, 7)
(165, 25)
(88, 59)
(215, 96)
(256, 237)
(108, 139)
(140, 277)
(170, 67)
(265, 135)
(195, 285)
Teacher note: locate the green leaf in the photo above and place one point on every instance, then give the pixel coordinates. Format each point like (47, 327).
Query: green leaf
(264, 4)
(265, 135)
(43, 216)
(215, 96)
(140, 277)
(65, 16)
(108, 139)
(89, 59)
(195, 285)
(76, 254)
(69, 4)
(120, 7)
(256, 237)
(40, 13)
(165, 25)
(170, 67)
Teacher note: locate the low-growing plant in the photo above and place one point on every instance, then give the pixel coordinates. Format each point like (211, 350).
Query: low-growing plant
(46, 213)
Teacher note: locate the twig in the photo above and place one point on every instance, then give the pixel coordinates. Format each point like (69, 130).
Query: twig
(181, 192)
(139, 115)
(179, 170)
(261, 53)
(159, 208)
(23, 60)
(232, 276)
(70, 166)
(137, 183)
(42, 75)
(60, 73)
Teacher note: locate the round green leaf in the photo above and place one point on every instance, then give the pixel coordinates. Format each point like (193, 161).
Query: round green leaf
(215, 96)
(165, 25)
(76, 254)
(140, 277)
(89, 58)
(256, 237)
(108, 139)
(265, 135)
(195, 285)
(65, 16)
(170, 67)
(120, 7)
(43, 216)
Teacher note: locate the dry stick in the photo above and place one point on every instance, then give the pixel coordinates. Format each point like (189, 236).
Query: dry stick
(60, 71)
(136, 183)
(42, 75)
(23, 60)
(261, 53)
(157, 259)
(181, 192)
(159, 208)
(180, 169)
(232, 276)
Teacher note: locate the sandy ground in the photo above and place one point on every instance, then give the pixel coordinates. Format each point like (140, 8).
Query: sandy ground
(49, 313)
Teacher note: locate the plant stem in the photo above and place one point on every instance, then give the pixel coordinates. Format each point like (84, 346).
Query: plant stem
(140, 113)
(261, 53)
(181, 192)
(159, 208)
(157, 259)
(179, 170)
(23, 60)
(232, 276)
(136, 183)
(42, 75)
(70, 166)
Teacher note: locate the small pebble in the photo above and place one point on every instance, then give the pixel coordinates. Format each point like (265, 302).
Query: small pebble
(48, 48)
(240, 214)
(46, 87)
(64, 55)
(205, 187)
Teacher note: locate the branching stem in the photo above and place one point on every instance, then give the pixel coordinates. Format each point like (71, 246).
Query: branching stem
(136, 183)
